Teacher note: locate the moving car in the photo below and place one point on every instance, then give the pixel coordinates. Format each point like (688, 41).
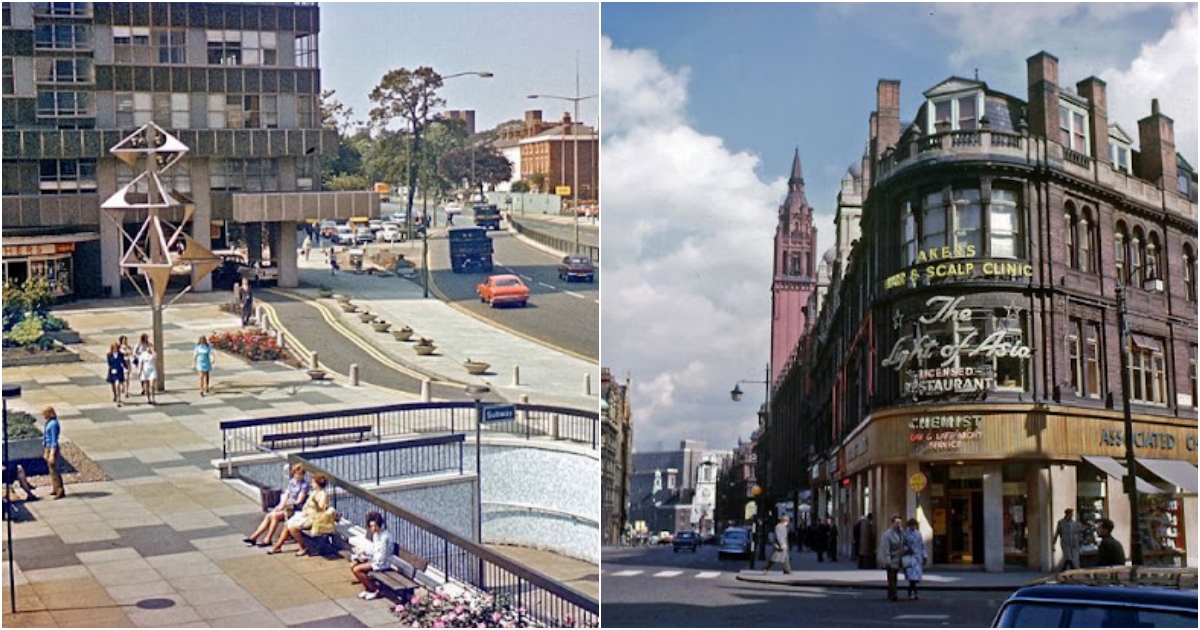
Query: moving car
(576, 267)
(234, 267)
(328, 228)
(685, 540)
(735, 541)
(503, 289)
(390, 232)
(1109, 597)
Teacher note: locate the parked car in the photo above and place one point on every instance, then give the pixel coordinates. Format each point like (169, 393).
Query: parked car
(665, 538)
(735, 541)
(685, 540)
(390, 232)
(503, 289)
(1109, 597)
(343, 235)
(576, 267)
(375, 225)
(234, 267)
(363, 235)
(328, 228)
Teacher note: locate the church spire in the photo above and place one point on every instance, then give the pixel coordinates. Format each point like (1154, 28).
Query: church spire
(797, 174)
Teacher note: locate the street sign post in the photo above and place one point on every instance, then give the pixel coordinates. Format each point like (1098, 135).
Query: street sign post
(499, 413)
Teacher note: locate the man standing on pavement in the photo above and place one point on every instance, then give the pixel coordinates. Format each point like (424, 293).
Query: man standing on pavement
(247, 302)
(781, 555)
(820, 540)
(864, 531)
(1110, 552)
(1066, 534)
(831, 537)
(50, 451)
(891, 549)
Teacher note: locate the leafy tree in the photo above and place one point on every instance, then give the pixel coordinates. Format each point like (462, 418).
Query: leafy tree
(411, 96)
(520, 186)
(345, 181)
(479, 165)
(539, 181)
(348, 158)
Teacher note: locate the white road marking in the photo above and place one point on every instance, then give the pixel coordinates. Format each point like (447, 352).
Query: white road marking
(916, 617)
(707, 575)
(668, 574)
(528, 278)
(548, 286)
(627, 573)
(573, 294)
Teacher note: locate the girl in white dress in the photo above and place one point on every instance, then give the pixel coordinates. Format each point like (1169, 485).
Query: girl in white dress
(149, 373)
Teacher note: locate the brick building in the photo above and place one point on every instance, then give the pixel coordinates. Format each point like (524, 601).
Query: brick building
(549, 157)
(965, 367)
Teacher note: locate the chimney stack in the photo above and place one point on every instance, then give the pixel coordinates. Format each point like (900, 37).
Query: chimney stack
(1042, 70)
(1157, 162)
(1096, 93)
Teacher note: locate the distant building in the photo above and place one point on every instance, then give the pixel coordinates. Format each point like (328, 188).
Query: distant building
(617, 416)
(467, 116)
(676, 490)
(508, 141)
(795, 271)
(548, 158)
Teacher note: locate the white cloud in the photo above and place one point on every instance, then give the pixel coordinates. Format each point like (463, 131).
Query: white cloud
(686, 274)
(1166, 70)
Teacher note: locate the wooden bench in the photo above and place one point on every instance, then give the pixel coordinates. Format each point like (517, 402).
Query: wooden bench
(269, 440)
(401, 578)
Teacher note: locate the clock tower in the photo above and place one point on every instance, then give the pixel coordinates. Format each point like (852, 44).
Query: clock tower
(795, 272)
(704, 504)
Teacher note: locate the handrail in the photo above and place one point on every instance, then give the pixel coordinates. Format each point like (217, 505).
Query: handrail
(482, 563)
(529, 507)
(566, 246)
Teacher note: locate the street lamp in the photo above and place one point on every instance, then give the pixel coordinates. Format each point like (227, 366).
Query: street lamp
(10, 391)
(425, 233)
(765, 419)
(477, 392)
(1135, 541)
(575, 145)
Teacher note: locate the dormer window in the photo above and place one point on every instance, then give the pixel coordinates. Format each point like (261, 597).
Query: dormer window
(1120, 157)
(960, 112)
(1073, 121)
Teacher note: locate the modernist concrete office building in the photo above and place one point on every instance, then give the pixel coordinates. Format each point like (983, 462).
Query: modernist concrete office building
(965, 365)
(238, 83)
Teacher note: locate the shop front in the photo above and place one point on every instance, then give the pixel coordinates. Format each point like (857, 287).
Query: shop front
(988, 483)
(54, 258)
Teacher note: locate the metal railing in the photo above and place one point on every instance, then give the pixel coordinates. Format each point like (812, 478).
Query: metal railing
(565, 245)
(243, 437)
(546, 601)
(388, 461)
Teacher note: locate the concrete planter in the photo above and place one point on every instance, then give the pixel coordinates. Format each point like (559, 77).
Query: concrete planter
(366, 318)
(29, 448)
(344, 299)
(16, 357)
(316, 374)
(476, 367)
(348, 307)
(381, 326)
(65, 336)
(424, 347)
(403, 334)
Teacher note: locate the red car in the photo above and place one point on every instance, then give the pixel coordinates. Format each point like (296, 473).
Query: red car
(503, 289)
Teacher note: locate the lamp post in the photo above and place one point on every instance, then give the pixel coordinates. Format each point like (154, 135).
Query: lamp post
(1135, 541)
(477, 392)
(764, 420)
(575, 146)
(10, 391)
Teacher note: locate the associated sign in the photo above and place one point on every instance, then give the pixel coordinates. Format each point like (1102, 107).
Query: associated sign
(499, 413)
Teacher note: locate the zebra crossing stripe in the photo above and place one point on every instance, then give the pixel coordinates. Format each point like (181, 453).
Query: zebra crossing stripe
(627, 573)
(668, 574)
(707, 575)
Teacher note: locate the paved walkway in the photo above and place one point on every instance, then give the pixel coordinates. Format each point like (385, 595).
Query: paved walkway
(806, 571)
(159, 544)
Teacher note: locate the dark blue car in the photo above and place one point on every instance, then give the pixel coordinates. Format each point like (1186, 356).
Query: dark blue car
(1111, 597)
(686, 540)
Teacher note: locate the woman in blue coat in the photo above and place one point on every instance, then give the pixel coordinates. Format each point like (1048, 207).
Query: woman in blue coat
(116, 371)
(914, 547)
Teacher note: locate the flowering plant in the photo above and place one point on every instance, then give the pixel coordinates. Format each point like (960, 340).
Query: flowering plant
(436, 609)
(255, 345)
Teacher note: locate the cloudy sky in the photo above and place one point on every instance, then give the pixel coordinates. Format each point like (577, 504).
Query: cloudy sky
(700, 121)
(530, 47)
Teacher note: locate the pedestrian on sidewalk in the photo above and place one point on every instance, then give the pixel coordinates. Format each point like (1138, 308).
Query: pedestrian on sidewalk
(1066, 534)
(781, 554)
(202, 358)
(116, 370)
(831, 539)
(865, 533)
(820, 540)
(143, 341)
(372, 556)
(127, 354)
(306, 247)
(914, 551)
(50, 451)
(17, 474)
(1110, 553)
(247, 302)
(891, 549)
(333, 261)
(149, 371)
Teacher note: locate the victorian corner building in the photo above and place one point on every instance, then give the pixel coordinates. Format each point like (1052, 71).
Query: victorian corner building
(964, 365)
(237, 83)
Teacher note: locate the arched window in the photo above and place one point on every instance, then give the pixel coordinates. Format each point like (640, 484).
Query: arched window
(1189, 272)
(1071, 224)
(908, 228)
(1120, 251)
(1153, 251)
(1085, 235)
(1137, 258)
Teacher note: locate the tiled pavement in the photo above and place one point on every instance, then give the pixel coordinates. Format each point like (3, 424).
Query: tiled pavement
(160, 544)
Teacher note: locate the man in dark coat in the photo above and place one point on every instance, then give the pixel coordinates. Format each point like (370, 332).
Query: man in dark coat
(1110, 552)
(866, 542)
(831, 538)
(820, 539)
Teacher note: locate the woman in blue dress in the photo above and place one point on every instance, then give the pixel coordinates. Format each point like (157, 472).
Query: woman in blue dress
(204, 363)
(914, 546)
(116, 371)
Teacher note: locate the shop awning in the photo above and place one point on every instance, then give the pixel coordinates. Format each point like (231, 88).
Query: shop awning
(1117, 470)
(1179, 473)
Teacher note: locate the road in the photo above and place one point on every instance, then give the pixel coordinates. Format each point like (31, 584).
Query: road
(562, 314)
(654, 587)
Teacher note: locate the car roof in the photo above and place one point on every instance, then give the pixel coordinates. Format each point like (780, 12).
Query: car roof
(1107, 595)
(504, 276)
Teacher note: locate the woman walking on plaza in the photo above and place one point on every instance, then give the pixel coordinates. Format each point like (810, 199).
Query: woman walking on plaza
(203, 357)
(127, 353)
(149, 372)
(913, 560)
(116, 370)
(143, 342)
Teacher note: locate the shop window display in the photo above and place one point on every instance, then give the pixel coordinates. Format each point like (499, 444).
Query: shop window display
(1091, 509)
(1161, 530)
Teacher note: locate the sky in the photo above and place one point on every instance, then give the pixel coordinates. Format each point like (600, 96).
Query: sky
(703, 106)
(529, 47)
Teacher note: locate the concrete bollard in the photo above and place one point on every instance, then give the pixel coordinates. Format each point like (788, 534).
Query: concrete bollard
(313, 363)
(258, 317)
(516, 375)
(524, 415)
(426, 390)
(587, 384)
(354, 375)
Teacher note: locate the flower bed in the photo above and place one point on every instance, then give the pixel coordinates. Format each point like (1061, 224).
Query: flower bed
(255, 345)
(437, 609)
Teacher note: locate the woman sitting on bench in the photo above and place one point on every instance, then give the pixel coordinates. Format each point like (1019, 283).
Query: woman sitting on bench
(373, 556)
(297, 492)
(317, 516)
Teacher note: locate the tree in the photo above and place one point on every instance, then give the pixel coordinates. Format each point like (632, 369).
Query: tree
(478, 165)
(520, 186)
(347, 161)
(345, 181)
(409, 95)
(442, 137)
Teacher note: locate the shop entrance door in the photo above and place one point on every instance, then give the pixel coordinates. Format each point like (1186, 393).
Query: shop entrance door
(965, 527)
